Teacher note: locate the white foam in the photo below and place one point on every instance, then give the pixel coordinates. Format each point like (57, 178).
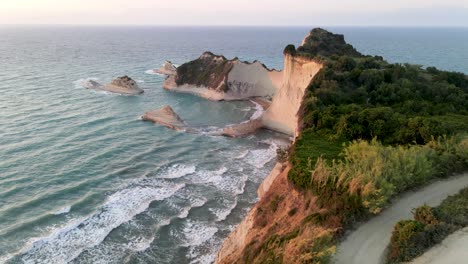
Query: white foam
(242, 154)
(177, 171)
(196, 234)
(194, 203)
(258, 111)
(260, 157)
(140, 81)
(223, 213)
(206, 253)
(233, 184)
(63, 210)
(65, 244)
(80, 82)
(152, 72)
(140, 244)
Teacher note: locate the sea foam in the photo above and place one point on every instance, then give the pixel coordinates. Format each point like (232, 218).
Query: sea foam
(65, 244)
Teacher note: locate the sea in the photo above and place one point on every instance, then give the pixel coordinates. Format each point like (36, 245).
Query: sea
(84, 180)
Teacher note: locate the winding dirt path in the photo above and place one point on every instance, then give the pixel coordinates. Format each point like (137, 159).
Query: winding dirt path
(367, 244)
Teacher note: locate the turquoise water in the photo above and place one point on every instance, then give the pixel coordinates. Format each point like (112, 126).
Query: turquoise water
(84, 180)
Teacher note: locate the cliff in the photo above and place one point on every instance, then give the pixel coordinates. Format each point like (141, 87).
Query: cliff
(282, 114)
(360, 140)
(217, 78)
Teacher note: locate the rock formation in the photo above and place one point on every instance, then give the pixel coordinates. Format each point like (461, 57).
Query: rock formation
(217, 78)
(298, 72)
(121, 85)
(167, 69)
(242, 129)
(165, 116)
(320, 42)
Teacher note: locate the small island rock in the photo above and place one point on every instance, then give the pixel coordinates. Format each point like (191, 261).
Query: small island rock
(167, 69)
(165, 116)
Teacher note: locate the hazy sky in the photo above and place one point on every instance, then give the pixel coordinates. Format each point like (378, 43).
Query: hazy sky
(237, 12)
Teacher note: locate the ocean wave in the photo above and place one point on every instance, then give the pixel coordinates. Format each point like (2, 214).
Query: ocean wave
(225, 211)
(80, 82)
(177, 171)
(260, 157)
(196, 233)
(242, 155)
(66, 243)
(152, 72)
(63, 210)
(140, 244)
(231, 183)
(195, 202)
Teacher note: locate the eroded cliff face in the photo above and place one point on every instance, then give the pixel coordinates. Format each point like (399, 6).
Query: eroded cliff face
(217, 78)
(282, 114)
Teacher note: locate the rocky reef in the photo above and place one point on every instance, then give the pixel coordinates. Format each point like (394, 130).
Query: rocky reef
(121, 85)
(217, 78)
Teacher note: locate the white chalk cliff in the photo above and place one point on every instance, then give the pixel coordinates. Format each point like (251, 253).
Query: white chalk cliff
(282, 114)
(216, 78)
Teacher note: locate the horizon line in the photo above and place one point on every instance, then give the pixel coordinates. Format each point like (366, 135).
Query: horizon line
(243, 26)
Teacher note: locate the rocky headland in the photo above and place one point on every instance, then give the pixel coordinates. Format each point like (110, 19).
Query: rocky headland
(217, 78)
(337, 105)
(121, 85)
(311, 197)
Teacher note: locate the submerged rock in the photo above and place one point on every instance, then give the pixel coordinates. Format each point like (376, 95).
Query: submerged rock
(167, 69)
(165, 116)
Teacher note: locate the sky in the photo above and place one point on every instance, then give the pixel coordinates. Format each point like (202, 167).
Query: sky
(237, 12)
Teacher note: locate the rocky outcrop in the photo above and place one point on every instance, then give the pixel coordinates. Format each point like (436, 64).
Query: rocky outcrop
(167, 69)
(323, 43)
(121, 85)
(282, 116)
(165, 116)
(217, 78)
(242, 129)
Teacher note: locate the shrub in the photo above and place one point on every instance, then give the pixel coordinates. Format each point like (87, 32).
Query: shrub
(430, 226)
(425, 215)
(401, 241)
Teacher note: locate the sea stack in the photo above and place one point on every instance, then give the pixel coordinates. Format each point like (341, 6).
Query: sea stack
(167, 69)
(165, 116)
(121, 85)
(216, 78)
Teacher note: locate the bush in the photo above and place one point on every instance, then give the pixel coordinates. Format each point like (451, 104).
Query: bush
(425, 215)
(430, 226)
(401, 241)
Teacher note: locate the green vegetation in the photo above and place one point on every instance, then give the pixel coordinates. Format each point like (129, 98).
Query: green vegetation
(371, 130)
(369, 174)
(411, 238)
(209, 70)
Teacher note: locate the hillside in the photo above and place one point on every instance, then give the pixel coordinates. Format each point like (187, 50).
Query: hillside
(368, 130)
